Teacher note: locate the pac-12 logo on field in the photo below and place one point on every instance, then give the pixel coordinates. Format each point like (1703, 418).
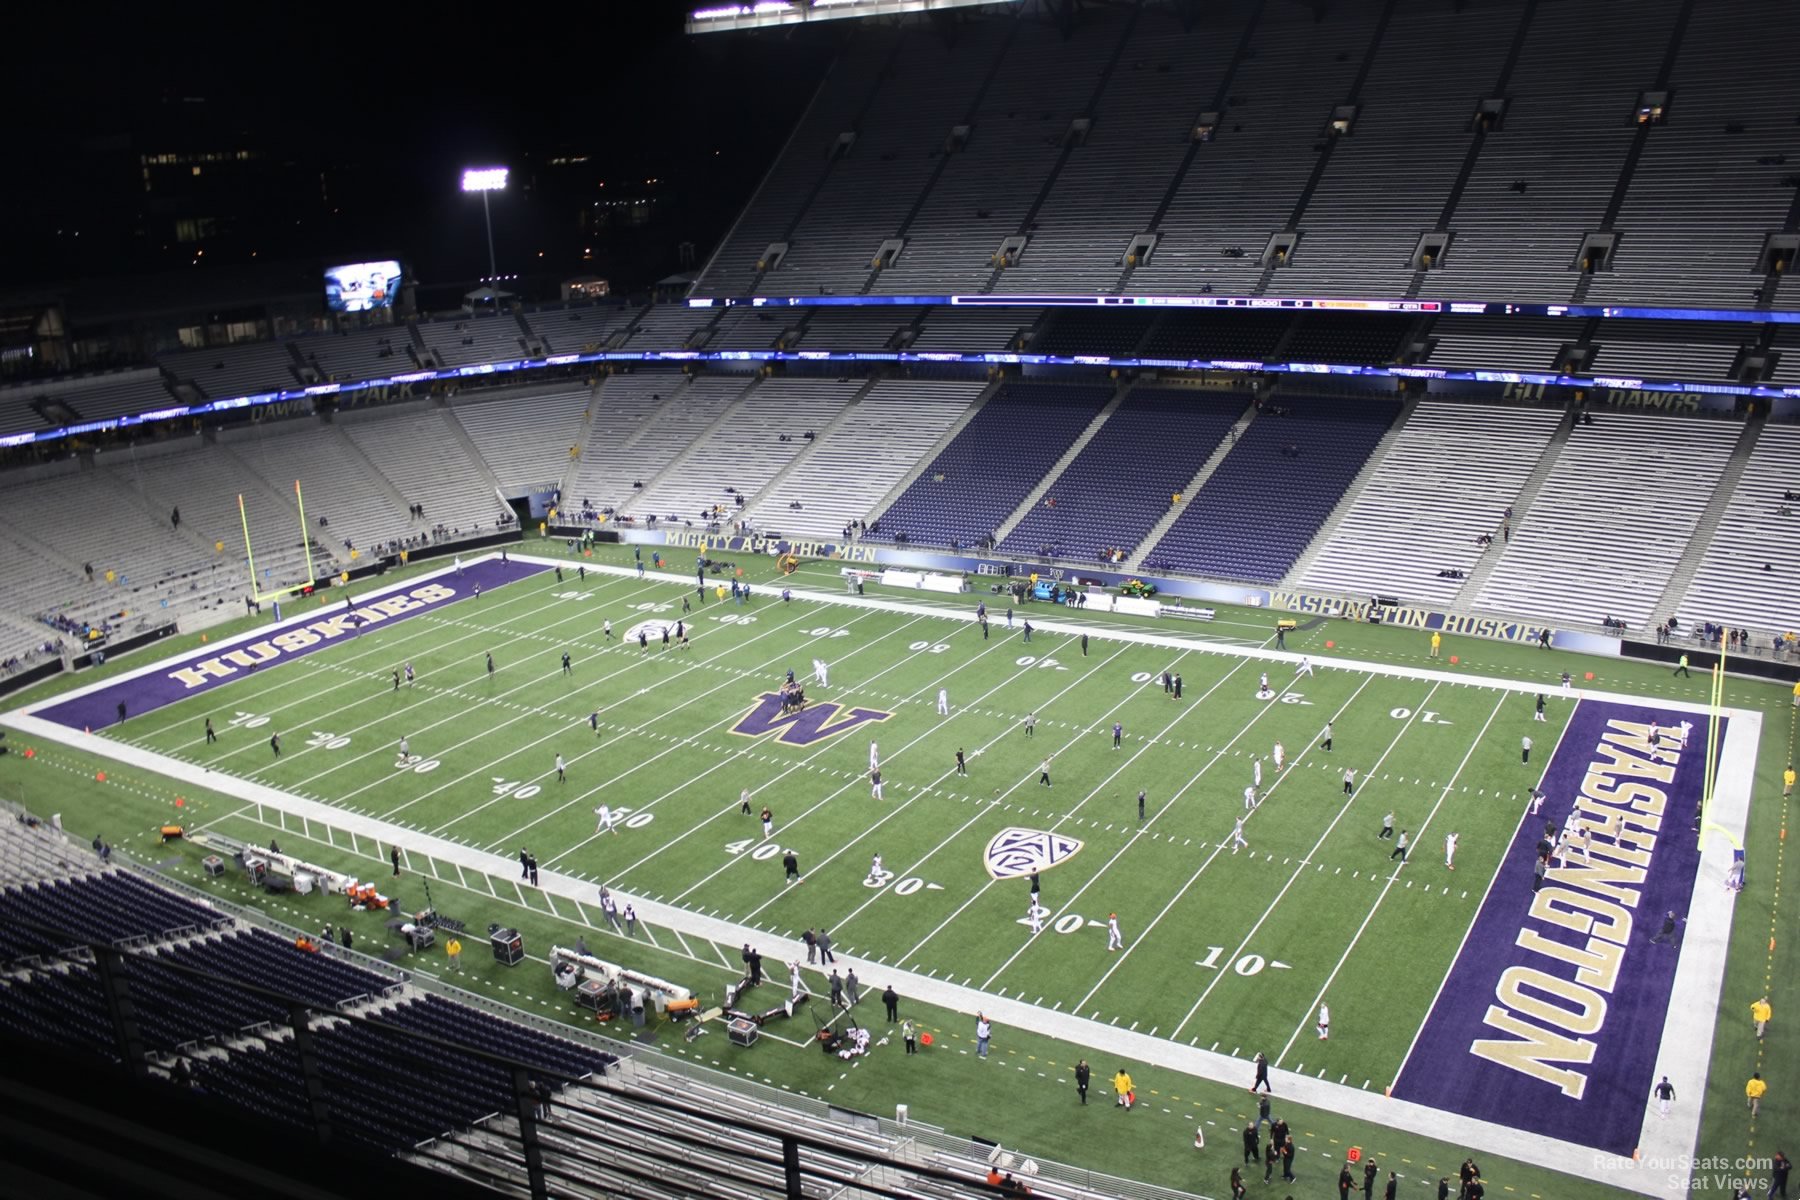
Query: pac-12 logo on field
(814, 723)
(650, 629)
(1015, 852)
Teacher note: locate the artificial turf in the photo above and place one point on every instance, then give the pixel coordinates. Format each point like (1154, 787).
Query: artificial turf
(1309, 900)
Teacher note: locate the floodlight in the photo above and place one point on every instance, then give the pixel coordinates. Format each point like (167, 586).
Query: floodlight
(484, 179)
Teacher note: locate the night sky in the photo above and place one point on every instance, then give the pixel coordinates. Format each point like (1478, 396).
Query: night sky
(362, 122)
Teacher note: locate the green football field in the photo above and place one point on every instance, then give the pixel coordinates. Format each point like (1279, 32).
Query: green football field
(1225, 947)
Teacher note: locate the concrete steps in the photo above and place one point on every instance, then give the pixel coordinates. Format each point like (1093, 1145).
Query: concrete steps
(1328, 530)
(1471, 588)
(1683, 576)
(1062, 464)
(1136, 561)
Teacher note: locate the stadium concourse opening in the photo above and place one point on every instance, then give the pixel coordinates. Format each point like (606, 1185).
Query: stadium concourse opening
(1232, 558)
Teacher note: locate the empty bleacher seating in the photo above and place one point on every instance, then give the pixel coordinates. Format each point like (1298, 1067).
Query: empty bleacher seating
(484, 338)
(360, 508)
(243, 369)
(984, 190)
(746, 451)
(623, 407)
(417, 451)
(660, 441)
(973, 330)
(854, 465)
(976, 481)
(1116, 489)
(1611, 520)
(525, 437)
(1448, 477)
(1713, 180)
(220, 998)
(1747, 577)
(1269, 495)
(50, 403)
(575, 329)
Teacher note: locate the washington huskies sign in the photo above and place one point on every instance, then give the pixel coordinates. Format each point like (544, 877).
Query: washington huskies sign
(810, 725)
(1015, 852)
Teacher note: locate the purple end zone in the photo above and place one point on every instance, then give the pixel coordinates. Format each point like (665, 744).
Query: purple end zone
(1551, 1017)
(330, 625)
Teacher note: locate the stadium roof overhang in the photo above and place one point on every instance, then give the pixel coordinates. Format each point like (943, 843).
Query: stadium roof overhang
(764, 14)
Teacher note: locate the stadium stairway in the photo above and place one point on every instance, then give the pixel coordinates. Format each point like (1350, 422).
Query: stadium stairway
(1471, 588)
(599, 433)
(1029, 221)
(582, 435)
(1683, 575)
(1062, 464)
(115, 491)
(1239, 57)
(930, 456)
(771, 491)
(1328, 530)
(636, 503)
(1136, 561)
(488, 479)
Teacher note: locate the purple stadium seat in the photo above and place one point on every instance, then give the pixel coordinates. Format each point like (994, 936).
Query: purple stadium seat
(1258, 511)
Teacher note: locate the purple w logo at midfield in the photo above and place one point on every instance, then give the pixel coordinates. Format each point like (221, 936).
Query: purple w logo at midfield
(812, 724)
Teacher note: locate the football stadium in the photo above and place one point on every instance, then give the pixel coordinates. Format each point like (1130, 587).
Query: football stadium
(1179, 599)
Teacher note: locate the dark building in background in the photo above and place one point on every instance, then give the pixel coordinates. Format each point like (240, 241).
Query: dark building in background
(193, 192)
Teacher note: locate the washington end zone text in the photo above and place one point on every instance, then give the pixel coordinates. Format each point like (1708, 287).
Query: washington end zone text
(1552, 1017)
(1564, 983)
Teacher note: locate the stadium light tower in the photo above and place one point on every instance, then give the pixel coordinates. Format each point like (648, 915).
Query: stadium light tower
(485, 180)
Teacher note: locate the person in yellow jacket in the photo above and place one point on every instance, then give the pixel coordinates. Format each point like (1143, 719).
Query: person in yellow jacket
(1436, 642)
(1760, 1012)
(1787, 781)
(1122, 1089)
(453, 948)
(1753, 1092)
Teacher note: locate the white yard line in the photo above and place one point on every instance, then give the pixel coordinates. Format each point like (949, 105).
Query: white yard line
(1368, 776)
(1068, 816)
(1217, 850)
(558, 731)
(466, 691)
(905, 804)
(717, 764)
(1470, 928)
(983, 809)
(1395, 878)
